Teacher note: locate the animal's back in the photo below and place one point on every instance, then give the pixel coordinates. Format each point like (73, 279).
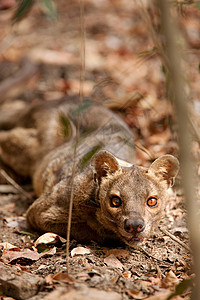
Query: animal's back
(98, 128)
(41, 144)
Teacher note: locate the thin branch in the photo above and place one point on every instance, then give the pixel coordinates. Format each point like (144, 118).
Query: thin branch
(151, 256)
(14, 184)
(154, 36)
(174, 238)
(82, 78)
(176, 73)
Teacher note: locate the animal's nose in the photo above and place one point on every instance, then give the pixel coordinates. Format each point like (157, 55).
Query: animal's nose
(134, 225)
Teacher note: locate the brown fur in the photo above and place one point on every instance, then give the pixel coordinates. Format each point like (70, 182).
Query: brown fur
(37, 148)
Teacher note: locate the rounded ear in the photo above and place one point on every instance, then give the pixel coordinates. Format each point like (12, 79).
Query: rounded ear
(104, 164)
(165, 168)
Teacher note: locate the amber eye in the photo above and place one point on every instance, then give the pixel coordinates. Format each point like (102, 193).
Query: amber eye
(152, 202)
(115, 201)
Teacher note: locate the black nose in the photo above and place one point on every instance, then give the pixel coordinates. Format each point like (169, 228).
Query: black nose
(134, 225)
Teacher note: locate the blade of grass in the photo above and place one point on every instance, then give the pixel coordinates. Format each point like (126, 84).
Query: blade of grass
(23, 9)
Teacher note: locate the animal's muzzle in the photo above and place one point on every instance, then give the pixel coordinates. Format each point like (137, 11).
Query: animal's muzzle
(134, 225)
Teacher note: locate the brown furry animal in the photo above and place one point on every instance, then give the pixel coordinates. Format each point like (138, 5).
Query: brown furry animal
(114, 199)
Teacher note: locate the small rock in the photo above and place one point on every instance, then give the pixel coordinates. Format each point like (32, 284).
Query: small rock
(19, 284)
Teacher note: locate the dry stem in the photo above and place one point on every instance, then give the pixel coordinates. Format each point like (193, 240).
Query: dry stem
(14, 184)
(166, 232)
(180, 100)
(82, 78)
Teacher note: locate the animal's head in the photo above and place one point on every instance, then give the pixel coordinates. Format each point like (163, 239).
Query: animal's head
(132, 198)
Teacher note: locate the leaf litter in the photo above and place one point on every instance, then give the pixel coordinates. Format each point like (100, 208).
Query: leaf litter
(160, 267)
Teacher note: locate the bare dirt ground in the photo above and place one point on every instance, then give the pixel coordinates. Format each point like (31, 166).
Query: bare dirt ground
(39, 61)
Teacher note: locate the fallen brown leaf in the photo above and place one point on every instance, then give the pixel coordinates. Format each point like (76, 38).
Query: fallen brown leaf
(127, 274)
(136, 294)
(8, 246)
(49, 238)
(119, 253)
(19, 256)
(170, 280)
(112, 261)
(80, 251)
(49, 279)
(63, 277)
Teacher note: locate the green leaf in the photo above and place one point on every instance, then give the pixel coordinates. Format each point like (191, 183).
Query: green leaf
(148, 52)
(23, 9)
(50, 8)
(163, 69)
(87, 157)
(26, 233)
(42, 248)
(65, 125)
(181, 288)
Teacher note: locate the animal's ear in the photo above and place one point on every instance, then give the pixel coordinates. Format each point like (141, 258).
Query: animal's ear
(165, 168)
(104, 164)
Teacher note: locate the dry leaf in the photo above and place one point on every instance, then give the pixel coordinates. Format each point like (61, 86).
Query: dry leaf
(83, 275)
(25, 269)
(49, 238)
(112, 261)
(63, 277)
(19, 256)
(80, 251)
(136, 294)
(8, 246)
(119, 253)
(159, 138)
(50, 56)
(127, 274)
(49, 279)
(48, 253)
(170, 280)
(154, 281)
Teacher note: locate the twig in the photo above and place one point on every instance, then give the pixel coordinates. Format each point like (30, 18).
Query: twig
(82, 77)
(143, 149)
(14, 184)
(154, 36)
(166, 232)
(7, 189)
(151, 256)
(180, 101)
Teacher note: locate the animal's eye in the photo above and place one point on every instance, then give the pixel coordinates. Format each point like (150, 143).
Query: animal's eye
(152, 202)
(115, 201)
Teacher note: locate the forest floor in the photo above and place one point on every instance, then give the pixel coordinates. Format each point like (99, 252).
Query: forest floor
(39, 61)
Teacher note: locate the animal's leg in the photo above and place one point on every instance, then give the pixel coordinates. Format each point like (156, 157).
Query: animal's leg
(45, 215)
